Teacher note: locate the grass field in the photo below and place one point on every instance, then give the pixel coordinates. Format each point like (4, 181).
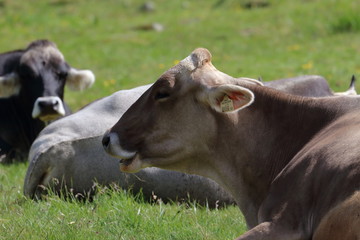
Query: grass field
(283, 39)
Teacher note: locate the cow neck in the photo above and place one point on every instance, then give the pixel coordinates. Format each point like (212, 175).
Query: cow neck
(27, 127)
(262, 139)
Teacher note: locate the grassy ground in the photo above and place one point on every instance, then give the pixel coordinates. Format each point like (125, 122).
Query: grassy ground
(285, 38)
(113, 214)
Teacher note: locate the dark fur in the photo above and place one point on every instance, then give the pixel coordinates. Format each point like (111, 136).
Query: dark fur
(42, 77)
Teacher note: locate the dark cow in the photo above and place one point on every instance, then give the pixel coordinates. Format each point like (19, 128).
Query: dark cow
(292, 163)
(31, 94)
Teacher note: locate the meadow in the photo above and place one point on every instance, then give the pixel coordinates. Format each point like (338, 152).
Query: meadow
(270, 39)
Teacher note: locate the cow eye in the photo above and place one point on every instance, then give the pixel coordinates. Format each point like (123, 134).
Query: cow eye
(161, 95)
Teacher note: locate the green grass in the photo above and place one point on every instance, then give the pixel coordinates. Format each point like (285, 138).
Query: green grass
(286, 38)
(113, 214)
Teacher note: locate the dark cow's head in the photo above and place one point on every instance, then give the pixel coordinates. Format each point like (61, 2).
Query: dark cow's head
(39, 79)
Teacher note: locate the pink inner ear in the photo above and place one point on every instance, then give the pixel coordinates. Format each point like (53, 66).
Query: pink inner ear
(236, 96)
(233, 96)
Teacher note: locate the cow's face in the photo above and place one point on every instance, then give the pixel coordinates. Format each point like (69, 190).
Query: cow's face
(175, 121)
(40, 78)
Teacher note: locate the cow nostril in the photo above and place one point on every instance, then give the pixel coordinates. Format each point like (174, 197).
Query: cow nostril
(47, 104)
(42, 104)
(106, 141)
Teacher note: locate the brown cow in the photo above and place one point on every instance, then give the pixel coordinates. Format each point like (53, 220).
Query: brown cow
(292, 163)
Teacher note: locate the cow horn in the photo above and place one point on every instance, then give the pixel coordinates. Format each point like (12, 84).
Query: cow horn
(196, 59)
(9, 85)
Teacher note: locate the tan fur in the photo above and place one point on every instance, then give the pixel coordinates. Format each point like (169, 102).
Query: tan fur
(287, 160)
(44, 53)
(342, 222)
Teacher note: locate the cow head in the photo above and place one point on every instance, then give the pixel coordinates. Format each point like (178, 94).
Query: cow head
(160, 129)
(39, 80)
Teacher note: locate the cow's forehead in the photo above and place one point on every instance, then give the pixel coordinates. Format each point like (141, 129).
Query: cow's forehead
(42, 53)
(197, 67)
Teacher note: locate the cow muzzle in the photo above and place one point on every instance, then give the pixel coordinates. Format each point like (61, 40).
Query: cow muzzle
(112, 146)
(48, 108)
(130, 161)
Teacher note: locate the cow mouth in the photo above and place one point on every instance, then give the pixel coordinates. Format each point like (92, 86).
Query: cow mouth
(127, 161)
(49, 117)
(132, 164)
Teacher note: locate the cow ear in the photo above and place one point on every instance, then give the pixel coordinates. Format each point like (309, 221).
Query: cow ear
(78, 80)
(9, 85)
(229, 98)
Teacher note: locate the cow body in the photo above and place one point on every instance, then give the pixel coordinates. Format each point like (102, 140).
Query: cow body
(307, 86)
(31, 94)
(68, 150)
(290, 162)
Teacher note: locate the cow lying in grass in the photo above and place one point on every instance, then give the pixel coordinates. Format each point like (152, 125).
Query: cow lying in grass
(292, 163)
(32, 84)
(68, 150)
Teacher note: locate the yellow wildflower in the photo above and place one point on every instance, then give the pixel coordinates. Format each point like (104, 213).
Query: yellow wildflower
(109, 82)
(294, 47)
(307, 66)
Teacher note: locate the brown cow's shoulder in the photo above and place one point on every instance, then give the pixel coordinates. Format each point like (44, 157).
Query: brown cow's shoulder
(322, 175)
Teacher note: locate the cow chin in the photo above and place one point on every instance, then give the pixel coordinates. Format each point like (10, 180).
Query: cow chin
(47, 117)
(132, 165)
